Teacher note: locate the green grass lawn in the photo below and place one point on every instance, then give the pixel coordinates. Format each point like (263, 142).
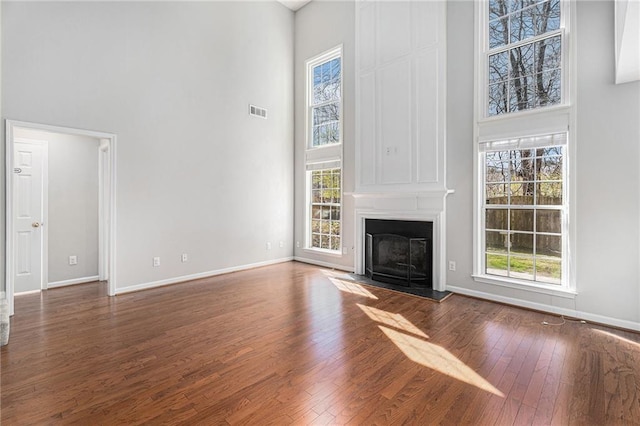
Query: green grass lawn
(546, 266)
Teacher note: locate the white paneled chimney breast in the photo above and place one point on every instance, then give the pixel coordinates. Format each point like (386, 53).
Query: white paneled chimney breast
(400, 124)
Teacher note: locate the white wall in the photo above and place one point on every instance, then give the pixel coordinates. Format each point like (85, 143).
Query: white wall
(72, 224)
(195, 173)
(460, 89)
(2, 172)
(607, 178)
(321, 26)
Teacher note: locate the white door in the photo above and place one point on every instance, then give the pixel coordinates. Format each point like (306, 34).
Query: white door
(28, 213)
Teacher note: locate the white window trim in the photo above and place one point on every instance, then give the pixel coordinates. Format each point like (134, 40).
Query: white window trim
(325, 156)
(564, 237)
(331, 150)
(538, 121)
(482, 54)
(307, 242)
(514, 283)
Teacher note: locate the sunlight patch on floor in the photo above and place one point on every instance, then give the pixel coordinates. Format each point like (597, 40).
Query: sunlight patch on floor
(437, 358)
(334, 273)
(396, 321)
(353, 288)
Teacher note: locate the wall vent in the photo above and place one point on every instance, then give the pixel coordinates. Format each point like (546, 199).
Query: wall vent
(257, 111)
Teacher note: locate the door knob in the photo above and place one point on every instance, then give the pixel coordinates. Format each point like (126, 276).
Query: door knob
(36, 224)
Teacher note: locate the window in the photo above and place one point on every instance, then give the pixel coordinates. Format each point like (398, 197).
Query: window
(323, 155)
(523, 209)
(325, 209)
(523, 146)
(325, 93)
(524, 55)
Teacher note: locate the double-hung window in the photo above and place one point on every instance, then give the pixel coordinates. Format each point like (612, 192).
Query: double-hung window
(323, 156)
(524, 55)
(324, 101)
(523, 113)
(325, 209)
(524, 208)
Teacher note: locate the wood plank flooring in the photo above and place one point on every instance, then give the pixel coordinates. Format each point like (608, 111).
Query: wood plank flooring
(296, 344)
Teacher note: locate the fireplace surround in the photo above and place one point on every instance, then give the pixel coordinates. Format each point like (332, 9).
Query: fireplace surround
(422, 207)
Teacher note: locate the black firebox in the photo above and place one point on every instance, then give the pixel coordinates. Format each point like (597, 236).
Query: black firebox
(399, 252)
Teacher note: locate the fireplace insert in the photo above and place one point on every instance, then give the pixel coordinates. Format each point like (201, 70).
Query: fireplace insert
(399, 252)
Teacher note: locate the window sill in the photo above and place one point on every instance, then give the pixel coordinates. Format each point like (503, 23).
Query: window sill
(541, 111)
(526, 286)
(325, 147)
(324, 252)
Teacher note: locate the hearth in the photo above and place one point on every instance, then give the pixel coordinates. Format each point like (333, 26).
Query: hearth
(399, 252)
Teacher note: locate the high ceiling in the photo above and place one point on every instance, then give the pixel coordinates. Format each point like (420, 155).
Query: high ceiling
(294, 4)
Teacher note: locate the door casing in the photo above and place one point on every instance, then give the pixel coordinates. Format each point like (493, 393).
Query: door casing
(106, 208)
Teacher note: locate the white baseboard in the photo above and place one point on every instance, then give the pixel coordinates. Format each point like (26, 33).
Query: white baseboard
(600, 319)
(183, 278)
(73, 281)
(324, 264)
(22, 293)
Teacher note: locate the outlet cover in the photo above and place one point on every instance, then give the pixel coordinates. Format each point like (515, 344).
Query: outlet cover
(73, 260)
(156, 261)
(184, 257)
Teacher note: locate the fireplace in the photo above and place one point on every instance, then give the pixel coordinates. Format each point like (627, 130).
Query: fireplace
(399, 252)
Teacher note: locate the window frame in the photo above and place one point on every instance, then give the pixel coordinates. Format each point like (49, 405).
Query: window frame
(310, 204)
(327, 156)
(545, 120)
(562, 208)
(335, 53)
(483, 53)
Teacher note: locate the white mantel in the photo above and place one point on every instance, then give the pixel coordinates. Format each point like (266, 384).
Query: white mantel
(419, 206)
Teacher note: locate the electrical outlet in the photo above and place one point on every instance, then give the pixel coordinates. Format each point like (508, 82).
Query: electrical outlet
(184, 257)
(281, 244)
(73, 260)
(298, 244)
(156, 261)
(452, 265)
(345, 250)
(268, 246)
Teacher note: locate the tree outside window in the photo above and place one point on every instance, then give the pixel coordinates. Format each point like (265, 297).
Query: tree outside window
(325, 209)
(325, 103)
(525, 55)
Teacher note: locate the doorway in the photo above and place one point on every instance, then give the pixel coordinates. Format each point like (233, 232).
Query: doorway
(19, 260)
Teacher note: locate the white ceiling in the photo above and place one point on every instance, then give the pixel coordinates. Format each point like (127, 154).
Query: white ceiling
(294, 4)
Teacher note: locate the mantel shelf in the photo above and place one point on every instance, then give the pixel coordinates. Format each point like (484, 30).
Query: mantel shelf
(399, 194)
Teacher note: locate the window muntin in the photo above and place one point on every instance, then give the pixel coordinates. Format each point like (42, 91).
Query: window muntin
(523, 210)
(324, 101)
(323, 154)
(511, 21)
(325, 209)
(524, 55)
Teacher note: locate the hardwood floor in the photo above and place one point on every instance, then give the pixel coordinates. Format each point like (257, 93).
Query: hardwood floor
(296, 344)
